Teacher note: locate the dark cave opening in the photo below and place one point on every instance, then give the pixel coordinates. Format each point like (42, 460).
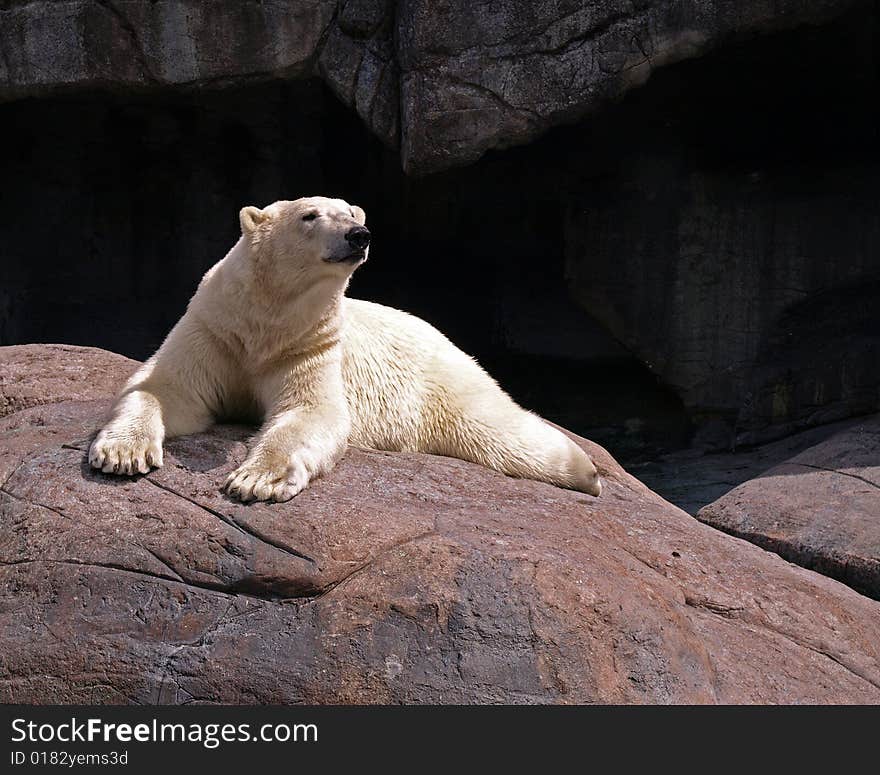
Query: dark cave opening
(114, 205)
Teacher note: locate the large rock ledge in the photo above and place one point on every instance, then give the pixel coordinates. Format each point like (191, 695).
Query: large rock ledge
(443, 81)
(398, 578)
(31, 375)
(820, 508)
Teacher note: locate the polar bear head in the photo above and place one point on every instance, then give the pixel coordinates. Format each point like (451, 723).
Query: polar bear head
(314, 236)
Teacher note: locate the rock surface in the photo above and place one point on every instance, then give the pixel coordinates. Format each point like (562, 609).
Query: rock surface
(445, 81)
(398, 578)
(34, 374)
(691, 479)
(820, 509)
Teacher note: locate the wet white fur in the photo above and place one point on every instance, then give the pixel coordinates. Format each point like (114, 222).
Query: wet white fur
(270, 336)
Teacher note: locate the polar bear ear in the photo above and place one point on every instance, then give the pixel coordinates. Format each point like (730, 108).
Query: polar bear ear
(359, 215)
(251, 218)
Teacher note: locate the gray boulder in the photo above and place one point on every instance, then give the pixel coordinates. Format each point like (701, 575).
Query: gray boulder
(443, 81)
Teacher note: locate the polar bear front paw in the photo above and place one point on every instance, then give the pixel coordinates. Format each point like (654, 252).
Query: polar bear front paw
(255, 482)
(125, 455)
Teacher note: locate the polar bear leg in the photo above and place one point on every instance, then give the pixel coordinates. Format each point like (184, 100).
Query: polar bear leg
(305, 433)
(501, 435)
(294, 447)
(162, 400)
(131, 443)
(535, 450)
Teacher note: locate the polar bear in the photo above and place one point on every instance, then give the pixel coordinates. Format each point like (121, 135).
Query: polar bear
(270, 336)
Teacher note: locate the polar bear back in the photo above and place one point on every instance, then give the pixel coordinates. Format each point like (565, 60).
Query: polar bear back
(404, 380)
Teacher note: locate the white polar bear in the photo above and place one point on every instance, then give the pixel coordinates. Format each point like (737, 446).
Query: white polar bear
(269, 335)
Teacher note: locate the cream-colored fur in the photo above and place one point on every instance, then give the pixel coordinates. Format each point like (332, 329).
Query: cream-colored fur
(270, 336)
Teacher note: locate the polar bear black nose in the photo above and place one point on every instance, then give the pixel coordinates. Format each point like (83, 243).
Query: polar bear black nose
(358, 237)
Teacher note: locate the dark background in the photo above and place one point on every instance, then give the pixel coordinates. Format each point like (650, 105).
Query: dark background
(112, 206)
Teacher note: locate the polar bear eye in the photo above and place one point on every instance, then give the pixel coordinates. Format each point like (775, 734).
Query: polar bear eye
(310, 216)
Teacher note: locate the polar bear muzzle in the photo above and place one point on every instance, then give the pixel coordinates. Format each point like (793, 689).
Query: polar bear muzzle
(358, 239)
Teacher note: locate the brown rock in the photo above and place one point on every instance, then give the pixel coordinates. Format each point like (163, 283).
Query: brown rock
(397, 578)
(820, 509)
(33, 374)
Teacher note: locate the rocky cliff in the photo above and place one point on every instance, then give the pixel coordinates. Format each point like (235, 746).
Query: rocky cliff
(443, 81)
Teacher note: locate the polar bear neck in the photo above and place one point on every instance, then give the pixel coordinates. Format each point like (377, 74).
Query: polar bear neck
(263, 319)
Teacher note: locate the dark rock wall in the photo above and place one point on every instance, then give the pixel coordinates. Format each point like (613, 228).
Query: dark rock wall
(701, 221)
(483, 76)
(735, 248)
(442, 81)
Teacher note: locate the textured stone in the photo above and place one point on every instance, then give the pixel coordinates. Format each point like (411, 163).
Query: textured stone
(446, 81)
(692, 479)
(820, 508)
(397, 578)
(49, 46)
(34, 374)
(476, 77)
